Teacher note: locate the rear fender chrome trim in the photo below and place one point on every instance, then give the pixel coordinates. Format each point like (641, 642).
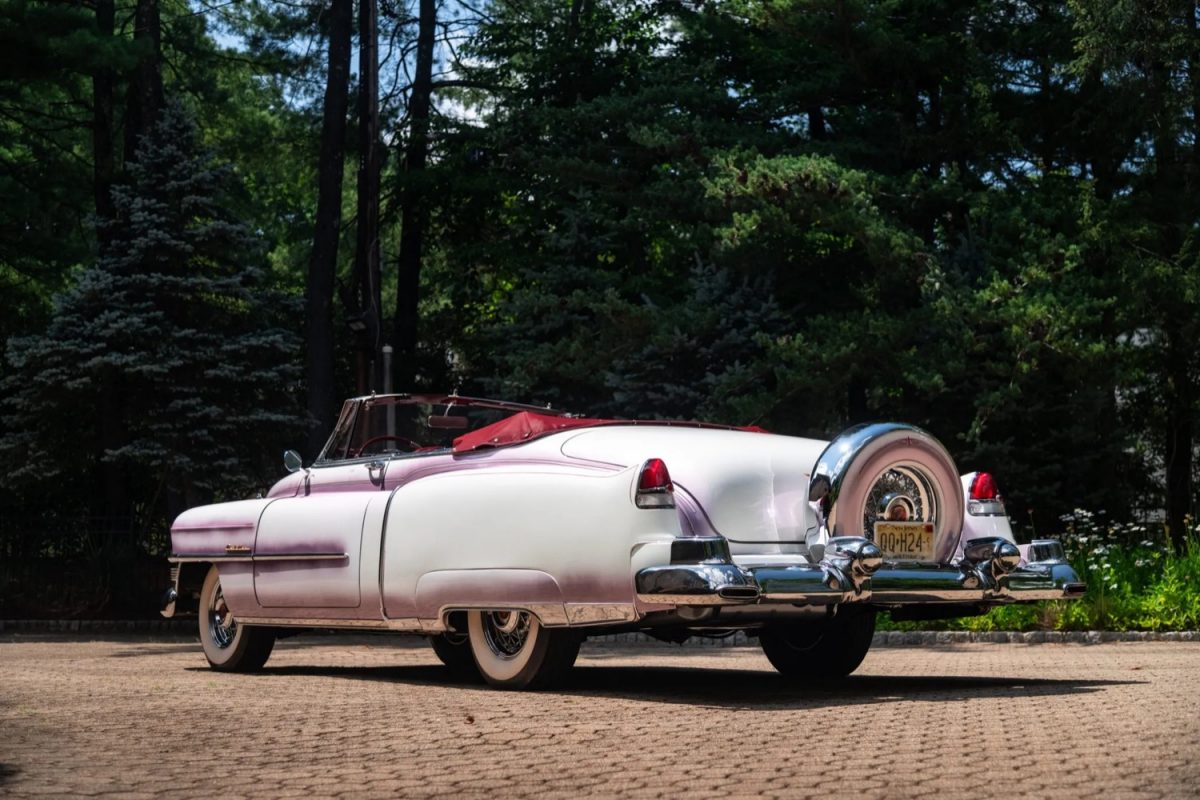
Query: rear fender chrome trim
(549, 615)
(581, 614)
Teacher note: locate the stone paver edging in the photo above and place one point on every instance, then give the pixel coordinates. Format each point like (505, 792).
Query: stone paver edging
(882, 638)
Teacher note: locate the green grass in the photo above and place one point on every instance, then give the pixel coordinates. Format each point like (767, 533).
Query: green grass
(1136, 582)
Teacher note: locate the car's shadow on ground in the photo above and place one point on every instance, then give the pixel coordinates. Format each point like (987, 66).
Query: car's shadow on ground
(733, 688)
(754, 689)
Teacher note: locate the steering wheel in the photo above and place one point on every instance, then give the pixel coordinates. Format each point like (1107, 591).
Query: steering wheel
(387, 438)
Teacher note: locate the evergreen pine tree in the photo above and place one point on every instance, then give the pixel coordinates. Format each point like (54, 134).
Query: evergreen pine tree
(172, 339)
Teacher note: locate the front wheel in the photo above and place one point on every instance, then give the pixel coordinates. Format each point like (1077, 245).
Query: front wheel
(514, 651)
(228, 646)
(825, 650)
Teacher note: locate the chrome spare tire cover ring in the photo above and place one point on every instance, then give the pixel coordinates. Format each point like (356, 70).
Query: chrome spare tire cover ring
(846, 473)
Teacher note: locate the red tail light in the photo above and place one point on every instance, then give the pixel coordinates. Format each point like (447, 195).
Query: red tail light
(654, 487)
(983, 497)
(983, 487)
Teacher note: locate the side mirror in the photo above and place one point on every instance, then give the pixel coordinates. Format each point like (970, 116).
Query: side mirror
(292, 460)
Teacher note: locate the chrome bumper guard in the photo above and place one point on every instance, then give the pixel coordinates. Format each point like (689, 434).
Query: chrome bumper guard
(171, 595)
(853, 571)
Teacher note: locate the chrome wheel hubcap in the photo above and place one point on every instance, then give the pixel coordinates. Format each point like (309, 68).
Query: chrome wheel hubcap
(902, 493)
(221, 625)
(506, 631)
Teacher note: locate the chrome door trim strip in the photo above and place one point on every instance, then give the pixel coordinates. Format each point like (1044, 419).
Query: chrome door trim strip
(225, 558)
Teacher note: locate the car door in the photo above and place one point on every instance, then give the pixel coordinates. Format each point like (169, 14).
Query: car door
(308, 548)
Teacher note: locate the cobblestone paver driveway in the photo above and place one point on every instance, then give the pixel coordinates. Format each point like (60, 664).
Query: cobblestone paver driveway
(354, 717)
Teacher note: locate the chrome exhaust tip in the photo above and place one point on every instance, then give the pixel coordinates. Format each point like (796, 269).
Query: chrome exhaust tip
(746, 593)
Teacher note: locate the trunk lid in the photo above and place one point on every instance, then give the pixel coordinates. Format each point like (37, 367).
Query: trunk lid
(752, 488)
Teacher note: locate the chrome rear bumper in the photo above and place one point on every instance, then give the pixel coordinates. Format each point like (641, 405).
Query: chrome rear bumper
(852, 572)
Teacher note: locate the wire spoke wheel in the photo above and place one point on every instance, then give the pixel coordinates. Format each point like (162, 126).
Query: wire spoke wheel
(901, 493)
(506, 631)
(513, 650)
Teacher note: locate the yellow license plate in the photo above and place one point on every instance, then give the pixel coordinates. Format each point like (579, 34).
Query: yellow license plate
(908, 541)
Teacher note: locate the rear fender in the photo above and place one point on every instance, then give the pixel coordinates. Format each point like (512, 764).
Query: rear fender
(981, 526)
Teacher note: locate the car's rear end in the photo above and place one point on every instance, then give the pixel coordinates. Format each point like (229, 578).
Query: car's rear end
(787, 534)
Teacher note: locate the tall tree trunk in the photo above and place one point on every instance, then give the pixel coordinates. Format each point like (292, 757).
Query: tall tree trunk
(1181, 330)
(573, 82)
(415, 216)
(1193, 72)
(102, 121)
(113, 502)
(1170, 202)
(145, 96)
(143, 103)
(366, 256)
(816, 123)
(1180, 438)
(322, 268)
(856, 401)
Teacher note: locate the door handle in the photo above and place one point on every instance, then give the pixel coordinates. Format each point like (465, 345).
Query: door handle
(376, 466)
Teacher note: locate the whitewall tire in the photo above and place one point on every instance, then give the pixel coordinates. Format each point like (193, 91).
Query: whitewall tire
(228, 646)
(514, 651)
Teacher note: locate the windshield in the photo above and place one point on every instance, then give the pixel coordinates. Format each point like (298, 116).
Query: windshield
(392, 425)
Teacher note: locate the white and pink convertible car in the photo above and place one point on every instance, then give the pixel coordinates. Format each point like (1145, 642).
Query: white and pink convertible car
(507, 533)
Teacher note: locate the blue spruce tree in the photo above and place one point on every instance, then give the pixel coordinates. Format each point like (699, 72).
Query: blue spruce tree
(174, 340)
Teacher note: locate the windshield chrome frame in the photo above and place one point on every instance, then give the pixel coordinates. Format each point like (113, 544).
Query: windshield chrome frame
(350, 409)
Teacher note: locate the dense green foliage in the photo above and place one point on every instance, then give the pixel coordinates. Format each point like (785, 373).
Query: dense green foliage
(979, 217)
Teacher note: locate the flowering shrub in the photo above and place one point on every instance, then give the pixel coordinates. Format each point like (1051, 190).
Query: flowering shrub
(1113, 555)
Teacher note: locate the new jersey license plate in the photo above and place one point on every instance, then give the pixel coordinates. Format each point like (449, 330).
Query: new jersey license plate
(905, 541)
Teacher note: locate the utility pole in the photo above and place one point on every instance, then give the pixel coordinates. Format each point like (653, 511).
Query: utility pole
(367, 271)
